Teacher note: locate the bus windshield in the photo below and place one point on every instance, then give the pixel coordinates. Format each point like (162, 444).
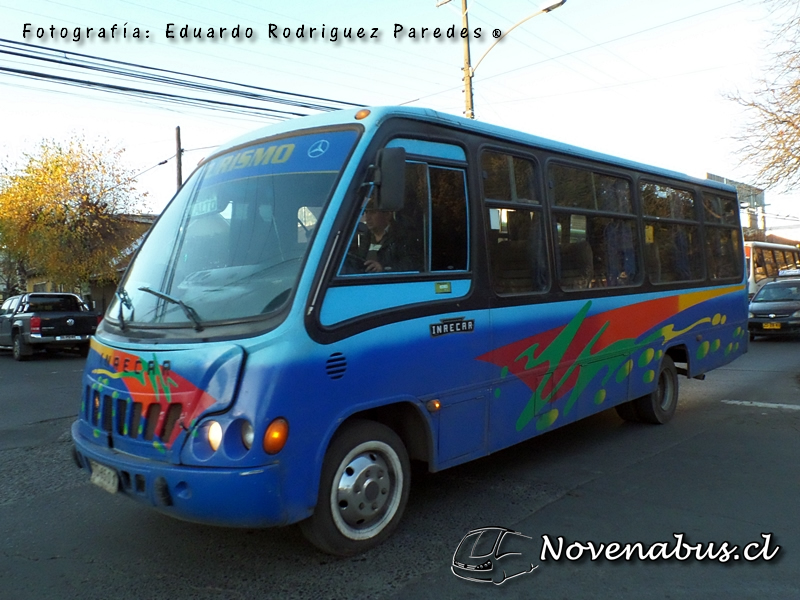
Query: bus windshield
(230, 244)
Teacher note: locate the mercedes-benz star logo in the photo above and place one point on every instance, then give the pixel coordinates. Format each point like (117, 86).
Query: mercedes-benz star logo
(318, 148)
(70, 322)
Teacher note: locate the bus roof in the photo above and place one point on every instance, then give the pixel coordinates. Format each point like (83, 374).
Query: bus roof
(378, 115)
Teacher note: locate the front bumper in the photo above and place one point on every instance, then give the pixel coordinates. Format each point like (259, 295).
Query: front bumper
(57, 340)
(247, 497)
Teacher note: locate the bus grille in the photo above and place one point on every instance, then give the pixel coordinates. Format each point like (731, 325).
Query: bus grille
(121, 416)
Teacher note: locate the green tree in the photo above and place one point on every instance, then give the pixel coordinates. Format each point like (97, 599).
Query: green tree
(770, 139)
(61, 211)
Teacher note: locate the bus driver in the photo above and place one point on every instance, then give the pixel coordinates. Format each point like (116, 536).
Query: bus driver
(383, 247)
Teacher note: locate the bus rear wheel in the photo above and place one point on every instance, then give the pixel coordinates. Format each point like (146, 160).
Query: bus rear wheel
(363, 490)
(659, 406)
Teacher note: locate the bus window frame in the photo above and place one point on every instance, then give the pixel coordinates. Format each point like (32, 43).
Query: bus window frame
(634, 216)
(697, 205)
(487, 204)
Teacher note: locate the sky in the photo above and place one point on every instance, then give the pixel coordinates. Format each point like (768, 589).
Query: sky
(646, 81)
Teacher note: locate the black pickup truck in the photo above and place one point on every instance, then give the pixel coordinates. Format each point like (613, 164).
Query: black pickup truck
(45, 321)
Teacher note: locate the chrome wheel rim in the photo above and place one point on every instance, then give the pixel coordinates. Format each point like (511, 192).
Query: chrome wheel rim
(366, 490)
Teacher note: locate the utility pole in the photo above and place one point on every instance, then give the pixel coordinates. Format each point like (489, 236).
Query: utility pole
(469, 70)
(179, 155)
(467, 63)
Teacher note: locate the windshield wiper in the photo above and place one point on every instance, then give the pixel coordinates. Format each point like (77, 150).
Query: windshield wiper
(124, 301)
(187, 310)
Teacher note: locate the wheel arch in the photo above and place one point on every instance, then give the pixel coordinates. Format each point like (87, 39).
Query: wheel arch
(403, 417)
(356, 520)
(680, 356)
(407, 421)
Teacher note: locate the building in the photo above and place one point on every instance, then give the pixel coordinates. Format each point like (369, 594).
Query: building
(752, 206)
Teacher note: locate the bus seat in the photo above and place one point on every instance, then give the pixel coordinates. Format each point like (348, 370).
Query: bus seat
(511, 267)
(576, 266)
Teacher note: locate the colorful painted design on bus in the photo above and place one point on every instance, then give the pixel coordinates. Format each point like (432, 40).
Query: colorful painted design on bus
(593, 351)
(124, 380)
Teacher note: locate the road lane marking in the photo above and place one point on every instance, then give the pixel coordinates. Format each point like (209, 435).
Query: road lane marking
(762, 404)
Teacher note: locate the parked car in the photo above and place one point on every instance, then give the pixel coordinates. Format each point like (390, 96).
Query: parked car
(775, 309)
(46, 321)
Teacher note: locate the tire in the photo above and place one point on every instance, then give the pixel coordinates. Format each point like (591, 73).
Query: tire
(658, 407)
(19, 349)
(363, 490)
(627, 411)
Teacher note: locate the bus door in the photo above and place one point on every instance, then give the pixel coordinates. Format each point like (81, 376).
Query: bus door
(519, 276)
(404, 288)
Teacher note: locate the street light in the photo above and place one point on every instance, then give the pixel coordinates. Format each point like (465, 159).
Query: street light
(469, 70)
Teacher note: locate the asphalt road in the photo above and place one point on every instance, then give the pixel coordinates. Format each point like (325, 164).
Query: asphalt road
(724, 470)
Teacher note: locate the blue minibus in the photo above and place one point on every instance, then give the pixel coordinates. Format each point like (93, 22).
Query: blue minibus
(331, 298)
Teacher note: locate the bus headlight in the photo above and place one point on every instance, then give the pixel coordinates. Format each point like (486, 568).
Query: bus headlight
(796, 314)
(214, 435)
(750, 315)
(248, 435)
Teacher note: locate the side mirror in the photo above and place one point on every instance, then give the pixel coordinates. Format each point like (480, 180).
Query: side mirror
(390, 178)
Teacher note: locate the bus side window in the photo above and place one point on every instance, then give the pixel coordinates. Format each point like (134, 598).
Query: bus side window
(597, 233)
(429, 234)
(516, 234)
(672, 223)
(723, 253)
(723, 248)
(517, 251)
(760, 263)
(449, 247)
(769, 264)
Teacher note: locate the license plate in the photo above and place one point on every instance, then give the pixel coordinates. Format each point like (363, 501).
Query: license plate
(68, 337)
(772, 325)
(104, 477)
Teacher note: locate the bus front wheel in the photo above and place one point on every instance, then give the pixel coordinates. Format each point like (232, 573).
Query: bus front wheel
(363, 490)
(659, 406)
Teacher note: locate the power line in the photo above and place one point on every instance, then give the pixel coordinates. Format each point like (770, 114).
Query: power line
(229, 106)
(165, 77)
(617, 39)
(52, 55)
(590, 47)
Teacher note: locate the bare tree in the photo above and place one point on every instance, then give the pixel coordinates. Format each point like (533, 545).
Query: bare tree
(770, 139)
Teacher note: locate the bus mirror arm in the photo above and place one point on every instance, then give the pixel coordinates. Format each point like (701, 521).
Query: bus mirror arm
(390, 178)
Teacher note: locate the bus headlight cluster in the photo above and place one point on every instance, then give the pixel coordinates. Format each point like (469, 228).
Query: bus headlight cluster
(235, 439)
